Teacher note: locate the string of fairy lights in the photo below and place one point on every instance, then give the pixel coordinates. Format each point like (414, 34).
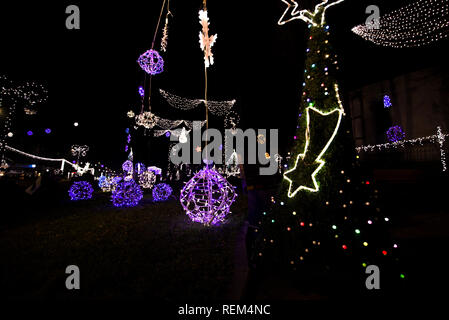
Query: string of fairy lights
(415, 25)
(30, 93)
(218, 108)
(438, 138)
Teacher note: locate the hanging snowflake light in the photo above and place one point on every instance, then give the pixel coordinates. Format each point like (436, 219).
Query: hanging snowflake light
(395, 134)
(206, 41)
(147, 179)
(80, 190)
(207, 197)
(146, 119)
(161, 192)
(127, 194)
(151, 62)
(127, 166)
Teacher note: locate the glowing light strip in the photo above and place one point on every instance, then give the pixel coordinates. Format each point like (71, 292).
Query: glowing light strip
(306, 15)
(318, 158)
(42, 158)
(439, 138)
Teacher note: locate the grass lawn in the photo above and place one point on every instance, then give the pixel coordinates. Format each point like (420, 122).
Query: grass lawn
(150, 251)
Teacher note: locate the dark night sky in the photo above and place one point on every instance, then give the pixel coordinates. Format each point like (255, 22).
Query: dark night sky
(92, 74)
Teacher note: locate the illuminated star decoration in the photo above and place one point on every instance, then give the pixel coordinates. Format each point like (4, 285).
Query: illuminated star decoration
(206, 42)
(198, 149)
(306, 15)
(315, 19)
(316, 166)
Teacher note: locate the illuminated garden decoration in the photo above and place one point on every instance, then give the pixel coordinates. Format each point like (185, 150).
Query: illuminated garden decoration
(387, 101)
(207, 197)
(127, 166)
(81, 190)
(161, 192)
(326, 213)
(151, 62)
(323, 107)
(127, 194)
(395, 134)
(147, 179)
(104, 183)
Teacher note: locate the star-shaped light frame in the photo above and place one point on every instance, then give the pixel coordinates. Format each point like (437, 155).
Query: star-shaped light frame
(305, 14)
(318, 159)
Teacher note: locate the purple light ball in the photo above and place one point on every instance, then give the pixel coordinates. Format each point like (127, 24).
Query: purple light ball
(207, 197)
(395, 134)
(81, 190)
(127, 194)
(151, 62)
(161, 192)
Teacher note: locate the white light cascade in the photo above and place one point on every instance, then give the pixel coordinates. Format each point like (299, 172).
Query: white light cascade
(414, 25)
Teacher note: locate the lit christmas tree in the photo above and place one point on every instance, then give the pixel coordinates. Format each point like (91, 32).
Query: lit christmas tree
(326, 219)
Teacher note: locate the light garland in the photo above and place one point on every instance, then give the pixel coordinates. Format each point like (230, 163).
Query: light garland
(207, 197)
(206, 41)
(414, 25)
(436, 138)
(63, 161)
(218, 108)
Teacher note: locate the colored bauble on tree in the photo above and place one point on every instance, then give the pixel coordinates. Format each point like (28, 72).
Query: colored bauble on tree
(81, 190)
(207, 197)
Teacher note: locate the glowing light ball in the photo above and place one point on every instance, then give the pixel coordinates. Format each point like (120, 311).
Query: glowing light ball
(151, 62)
(147, 179)
(48, 131)
(207, 197)
(30, 133)
(141, 91)
(161, 192)
(127, 166)
(10, 134)
(395, 134)
(80, 190)
(127, 194)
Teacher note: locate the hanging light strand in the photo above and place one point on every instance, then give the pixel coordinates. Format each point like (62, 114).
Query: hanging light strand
(414, 25)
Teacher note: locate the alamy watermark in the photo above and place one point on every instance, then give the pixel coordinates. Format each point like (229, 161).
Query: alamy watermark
(234, 141)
